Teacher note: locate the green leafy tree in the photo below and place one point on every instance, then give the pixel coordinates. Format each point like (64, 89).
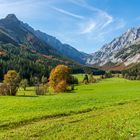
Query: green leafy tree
(86, 79)
(72, 81)
(44, 80)
(34, 81)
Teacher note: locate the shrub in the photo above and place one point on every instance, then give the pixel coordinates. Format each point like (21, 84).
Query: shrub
(92, 79)
(24, 83)
(73, 80)
(4, 90)
(108, 75)
(41, 89)
(102, 77)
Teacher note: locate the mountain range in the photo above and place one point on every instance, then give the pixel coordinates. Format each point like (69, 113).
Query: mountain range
(34, 53)
(121, 53)
(18, 32)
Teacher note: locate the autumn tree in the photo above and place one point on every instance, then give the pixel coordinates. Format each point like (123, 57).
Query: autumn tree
(12, 79)
(58, 79)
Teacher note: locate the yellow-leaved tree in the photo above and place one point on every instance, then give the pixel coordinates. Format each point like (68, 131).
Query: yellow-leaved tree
(11, 80)
(59, 77)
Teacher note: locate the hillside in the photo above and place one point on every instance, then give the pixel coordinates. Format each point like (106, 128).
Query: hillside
(26, 51)
(122, 52)
(27, 62)
(63, 49)
(21, 50)
(23, 33)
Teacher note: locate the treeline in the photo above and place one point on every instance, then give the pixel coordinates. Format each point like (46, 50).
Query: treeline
(87, 70)
(25, 62)
(132, 73)
(60, 80)
(30, 64)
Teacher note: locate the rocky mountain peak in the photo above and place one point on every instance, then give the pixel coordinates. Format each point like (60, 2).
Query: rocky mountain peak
(22, 33)
(11, 17)
(108, 52)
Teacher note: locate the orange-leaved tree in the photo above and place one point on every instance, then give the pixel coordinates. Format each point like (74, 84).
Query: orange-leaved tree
(58, 79)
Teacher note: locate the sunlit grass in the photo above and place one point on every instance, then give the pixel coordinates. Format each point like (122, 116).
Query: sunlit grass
(109, 109)
(81, 76)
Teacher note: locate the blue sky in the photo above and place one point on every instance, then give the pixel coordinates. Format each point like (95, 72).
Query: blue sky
(85, 24)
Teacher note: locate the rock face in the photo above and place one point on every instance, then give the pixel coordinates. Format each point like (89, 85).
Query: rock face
(15, 31)
(63, 49)
(120, 50)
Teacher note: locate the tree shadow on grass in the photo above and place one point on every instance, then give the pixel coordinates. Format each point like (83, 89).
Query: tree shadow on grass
(88, 89)
(73, 91)
(27, 96)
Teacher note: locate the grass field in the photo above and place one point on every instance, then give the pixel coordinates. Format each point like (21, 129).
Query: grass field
(108, 110)
(81, 76)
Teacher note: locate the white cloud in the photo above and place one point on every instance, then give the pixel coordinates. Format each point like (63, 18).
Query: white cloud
(68, 13)
(109, 20)
(103, 16)
(89, 27)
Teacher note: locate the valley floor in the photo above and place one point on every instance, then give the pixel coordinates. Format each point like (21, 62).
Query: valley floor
(106, 110)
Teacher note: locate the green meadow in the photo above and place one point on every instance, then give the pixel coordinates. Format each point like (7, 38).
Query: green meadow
(107, 110)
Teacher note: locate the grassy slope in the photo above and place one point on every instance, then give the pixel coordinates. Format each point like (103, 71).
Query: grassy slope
(106, 110)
